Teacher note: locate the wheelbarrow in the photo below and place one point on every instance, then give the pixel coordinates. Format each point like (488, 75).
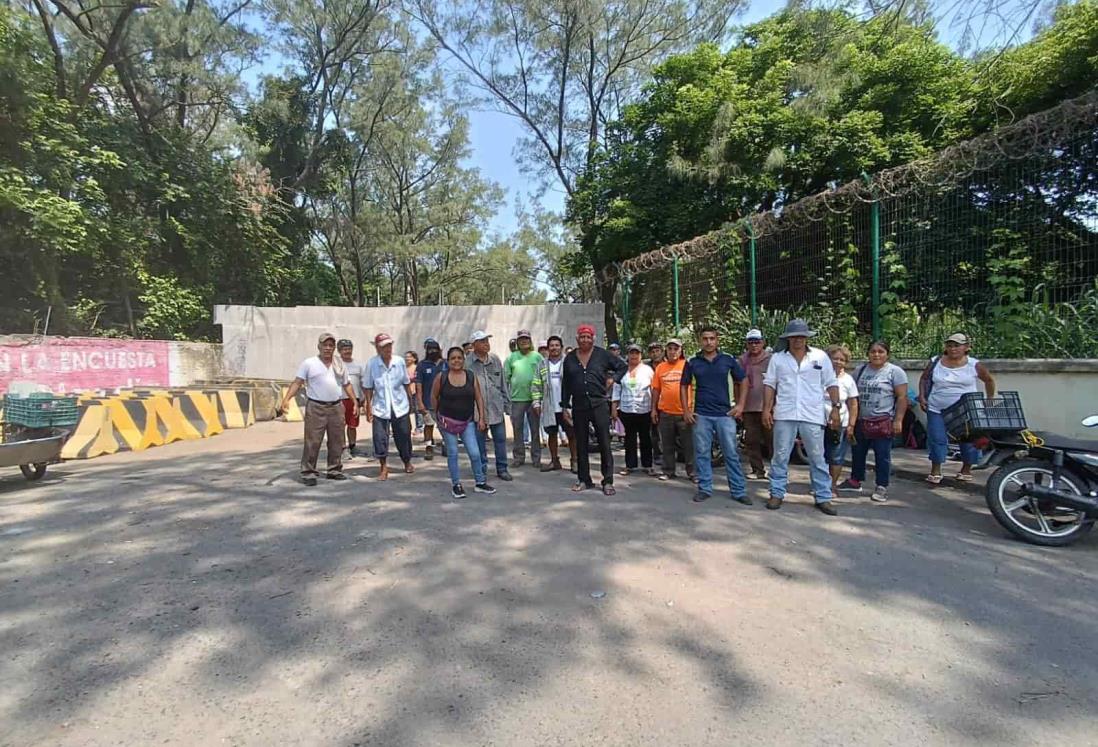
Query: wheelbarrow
(31, 449)
(34, 430)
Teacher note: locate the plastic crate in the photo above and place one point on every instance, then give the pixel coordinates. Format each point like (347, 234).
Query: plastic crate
(974, 415)
(40, 411)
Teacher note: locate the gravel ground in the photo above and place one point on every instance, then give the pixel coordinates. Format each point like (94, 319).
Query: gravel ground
(197, 594)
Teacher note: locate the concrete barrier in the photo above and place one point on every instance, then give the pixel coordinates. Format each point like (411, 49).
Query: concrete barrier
(93, 435)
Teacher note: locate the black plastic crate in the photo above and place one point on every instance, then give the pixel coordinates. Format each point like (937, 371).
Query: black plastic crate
(974, 415)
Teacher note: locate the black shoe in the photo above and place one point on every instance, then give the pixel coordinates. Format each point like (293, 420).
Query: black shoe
(310, 481)
(700, 497)
(484, 488)
(457, 491)
(774, 503)
(337, 476)
(505, 476)
(429, 452)
(827, 507)
(744, 499)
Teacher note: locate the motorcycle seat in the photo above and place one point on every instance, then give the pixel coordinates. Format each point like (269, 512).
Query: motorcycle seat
(1056, 441)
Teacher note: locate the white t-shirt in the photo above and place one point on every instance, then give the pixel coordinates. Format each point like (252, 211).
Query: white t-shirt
(634, 393)
(556, 370)
(321, 382)
(949, 384)
(847, 390)
(354, 375)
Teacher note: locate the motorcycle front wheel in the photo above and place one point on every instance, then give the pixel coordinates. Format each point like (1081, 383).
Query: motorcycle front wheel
(1038, 521)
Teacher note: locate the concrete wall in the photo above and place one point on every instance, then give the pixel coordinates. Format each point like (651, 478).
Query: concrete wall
(1056, 394)
(74, 364)
(270, 342)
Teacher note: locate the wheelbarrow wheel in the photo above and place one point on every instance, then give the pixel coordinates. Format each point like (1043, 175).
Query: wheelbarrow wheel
(33, 471)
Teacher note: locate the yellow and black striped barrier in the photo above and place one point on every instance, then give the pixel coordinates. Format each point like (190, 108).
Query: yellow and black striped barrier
(135, 420)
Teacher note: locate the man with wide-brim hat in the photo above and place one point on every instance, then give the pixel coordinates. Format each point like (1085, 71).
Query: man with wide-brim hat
(326, 385)
(388, 393)
(797, 380)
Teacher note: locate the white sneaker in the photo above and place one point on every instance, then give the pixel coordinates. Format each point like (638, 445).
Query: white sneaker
(880, 495)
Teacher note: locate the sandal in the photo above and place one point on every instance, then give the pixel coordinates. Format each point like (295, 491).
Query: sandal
(624, 472)
(609, 490)
(934, 479)
(963, 477)
(579, 487)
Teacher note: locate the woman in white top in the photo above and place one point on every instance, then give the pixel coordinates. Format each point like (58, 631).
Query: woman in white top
(632, 403)
(949, 376)
(835, 443)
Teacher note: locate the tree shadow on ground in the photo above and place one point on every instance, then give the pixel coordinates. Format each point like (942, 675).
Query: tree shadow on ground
(400, 616)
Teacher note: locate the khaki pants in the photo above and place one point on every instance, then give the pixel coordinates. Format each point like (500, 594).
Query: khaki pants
(323, 419)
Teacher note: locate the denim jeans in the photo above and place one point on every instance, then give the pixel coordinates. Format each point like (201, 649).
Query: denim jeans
(725, 428)
(402, 434)
(522, 418)
(882, 457)
(937, 440)
(470, 437)
(812, 436)
(499, 440)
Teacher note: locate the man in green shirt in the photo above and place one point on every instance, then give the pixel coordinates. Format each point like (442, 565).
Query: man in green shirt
(521, 369)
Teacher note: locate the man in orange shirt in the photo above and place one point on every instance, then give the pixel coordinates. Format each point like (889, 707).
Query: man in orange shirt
(675, 432)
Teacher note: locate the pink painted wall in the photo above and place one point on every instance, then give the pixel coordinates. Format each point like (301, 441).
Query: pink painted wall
(78, 363)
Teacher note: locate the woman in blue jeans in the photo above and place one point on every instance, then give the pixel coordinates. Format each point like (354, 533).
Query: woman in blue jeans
(949, 377)
(882, 390)
(456, 396)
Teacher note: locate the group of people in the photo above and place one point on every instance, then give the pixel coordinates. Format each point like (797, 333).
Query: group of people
(671, 408)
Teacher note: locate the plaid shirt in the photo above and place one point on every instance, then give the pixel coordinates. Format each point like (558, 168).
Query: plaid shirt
(493, 386)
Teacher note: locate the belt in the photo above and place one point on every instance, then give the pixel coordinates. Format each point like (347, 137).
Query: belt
(322, 402)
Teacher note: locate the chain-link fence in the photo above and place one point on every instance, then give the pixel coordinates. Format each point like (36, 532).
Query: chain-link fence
(996, 237)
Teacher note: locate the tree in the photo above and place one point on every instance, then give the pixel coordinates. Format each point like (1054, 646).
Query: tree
(564, 68)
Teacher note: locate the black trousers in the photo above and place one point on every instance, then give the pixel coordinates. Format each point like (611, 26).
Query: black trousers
(637, 427)
(599, 416)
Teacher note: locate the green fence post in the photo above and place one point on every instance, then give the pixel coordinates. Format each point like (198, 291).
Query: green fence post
(754, 284)
(675, 268)
(875, 239)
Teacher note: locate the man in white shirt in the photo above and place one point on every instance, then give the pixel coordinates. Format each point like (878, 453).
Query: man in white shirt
(796, 380)
(325, 380)
(351, 407)
(388, 392)
(547, 404)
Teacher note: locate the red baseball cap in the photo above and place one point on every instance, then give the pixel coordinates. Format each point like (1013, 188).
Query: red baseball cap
(585, 329)
(382, 340)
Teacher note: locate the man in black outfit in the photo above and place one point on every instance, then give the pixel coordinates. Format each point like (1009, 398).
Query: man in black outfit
(587, 381)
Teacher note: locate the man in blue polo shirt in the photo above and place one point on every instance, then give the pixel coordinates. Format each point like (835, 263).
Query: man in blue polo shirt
(713, 374)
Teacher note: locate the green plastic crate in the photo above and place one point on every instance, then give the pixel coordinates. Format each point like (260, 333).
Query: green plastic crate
(40, 411)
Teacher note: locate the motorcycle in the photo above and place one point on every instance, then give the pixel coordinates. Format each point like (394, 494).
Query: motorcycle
(1045, 490)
